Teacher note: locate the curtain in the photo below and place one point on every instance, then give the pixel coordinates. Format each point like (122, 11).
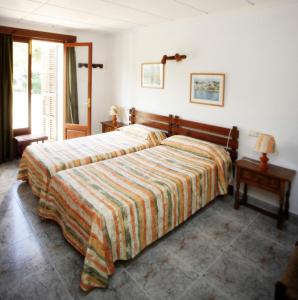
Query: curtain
(72, 112)
(6, 98)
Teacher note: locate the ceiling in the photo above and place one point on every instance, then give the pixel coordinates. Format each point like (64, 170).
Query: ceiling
(115, 15)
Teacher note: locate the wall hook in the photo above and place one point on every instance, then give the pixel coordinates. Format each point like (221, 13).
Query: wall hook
(81, 65)
(178, 57)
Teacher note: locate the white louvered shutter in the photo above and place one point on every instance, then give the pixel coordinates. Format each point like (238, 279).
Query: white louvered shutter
(49, 92)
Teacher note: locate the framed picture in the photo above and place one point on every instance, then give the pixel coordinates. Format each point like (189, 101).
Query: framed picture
(207, 88)
(152, 75)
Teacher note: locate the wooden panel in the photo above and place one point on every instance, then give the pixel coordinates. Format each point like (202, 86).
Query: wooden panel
(149, 116)
(109, 126)
(161, 122)
(204, 127)
(72, 134)
(37, 35)
(259, 179)
(220, 140)
(106, 128)
(272, 171)
(227, 137)
(157, 125)
(75, 130)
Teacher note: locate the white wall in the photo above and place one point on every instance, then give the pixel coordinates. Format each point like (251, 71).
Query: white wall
(257, 49)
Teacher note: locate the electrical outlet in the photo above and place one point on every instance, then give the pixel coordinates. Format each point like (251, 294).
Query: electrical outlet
(254, 133)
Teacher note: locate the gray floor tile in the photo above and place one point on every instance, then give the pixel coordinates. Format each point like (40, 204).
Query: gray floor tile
(202, 290)
(19, 260)
(239, 279)
(269, 256)
(267, 226)
(50, 235)
(70, 267)
(225, 207)
(7, 202)
(121, 287)
(220, 229)
(161, 274)
(8, 174)
(24, 195)
(192, 246)
(44, 284)
(13, 226)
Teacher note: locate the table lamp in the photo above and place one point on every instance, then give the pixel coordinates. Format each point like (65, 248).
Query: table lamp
(114, 112)
(265, 144)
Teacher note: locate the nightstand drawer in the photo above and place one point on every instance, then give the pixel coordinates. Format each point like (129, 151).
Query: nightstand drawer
(259, 179)
(109, 126)
(107, 129)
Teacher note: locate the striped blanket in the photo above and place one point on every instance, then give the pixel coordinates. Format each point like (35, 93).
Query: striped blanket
(111, 210)
(42, 161)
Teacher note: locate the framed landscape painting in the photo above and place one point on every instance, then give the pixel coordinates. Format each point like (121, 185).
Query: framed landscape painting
(207, 88)
(152, 75)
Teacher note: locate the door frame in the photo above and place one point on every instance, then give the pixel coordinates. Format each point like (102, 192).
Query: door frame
(66, 126)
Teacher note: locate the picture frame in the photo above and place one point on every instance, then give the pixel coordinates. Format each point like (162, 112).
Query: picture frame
(152, 75)
(207, 88)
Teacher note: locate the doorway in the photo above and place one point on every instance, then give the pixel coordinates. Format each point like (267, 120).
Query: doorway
(38, 88)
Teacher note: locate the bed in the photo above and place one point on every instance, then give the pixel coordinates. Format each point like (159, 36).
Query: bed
(112, 210)
(40, 162)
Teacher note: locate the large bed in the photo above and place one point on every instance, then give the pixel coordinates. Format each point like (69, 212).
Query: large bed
(40, 162)
(112, 210)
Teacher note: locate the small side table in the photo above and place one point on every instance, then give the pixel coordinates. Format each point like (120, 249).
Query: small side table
(24, 140)
(108, 126)
(275, 179)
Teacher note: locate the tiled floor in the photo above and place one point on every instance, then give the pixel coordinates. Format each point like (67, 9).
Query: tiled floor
(220, 253)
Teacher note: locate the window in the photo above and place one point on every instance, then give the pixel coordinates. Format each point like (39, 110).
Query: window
(37, 87)
(21, 85)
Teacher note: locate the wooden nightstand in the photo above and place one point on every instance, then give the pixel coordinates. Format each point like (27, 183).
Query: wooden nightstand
(275, 179)
(108, 126)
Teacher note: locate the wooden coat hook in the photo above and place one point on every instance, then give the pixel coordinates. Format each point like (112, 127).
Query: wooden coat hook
(176, 57)
(81, 65)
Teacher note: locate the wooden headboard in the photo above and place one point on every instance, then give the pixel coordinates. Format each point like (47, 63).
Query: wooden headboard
(164, 123)
(227, 137)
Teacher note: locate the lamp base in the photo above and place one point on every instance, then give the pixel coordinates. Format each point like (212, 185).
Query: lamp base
(114, 120)
(264, 162)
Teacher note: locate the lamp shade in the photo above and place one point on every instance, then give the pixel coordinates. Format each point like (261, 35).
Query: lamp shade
(114, 111)
(265, 143)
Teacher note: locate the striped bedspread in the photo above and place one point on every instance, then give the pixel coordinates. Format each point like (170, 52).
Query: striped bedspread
(111, 210)
(42, 161)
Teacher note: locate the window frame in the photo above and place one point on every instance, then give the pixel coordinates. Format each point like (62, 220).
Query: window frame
(28, 41)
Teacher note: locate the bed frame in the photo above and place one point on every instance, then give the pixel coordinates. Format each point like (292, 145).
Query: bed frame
(173, 125)
(164, 123)
(227, 137)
